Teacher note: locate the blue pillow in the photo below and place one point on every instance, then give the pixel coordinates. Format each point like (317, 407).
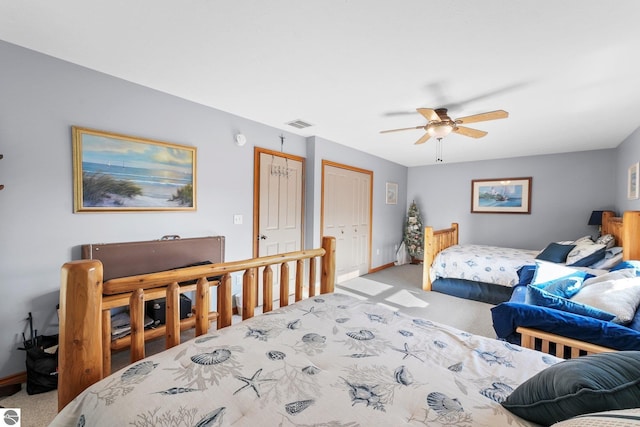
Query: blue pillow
(628, 264)
(526, 273)
(565, 287)
(542, 298)
(555, 252)
(586, 384)
(519, 294)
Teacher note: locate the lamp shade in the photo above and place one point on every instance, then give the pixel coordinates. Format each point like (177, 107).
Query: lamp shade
(595, 218)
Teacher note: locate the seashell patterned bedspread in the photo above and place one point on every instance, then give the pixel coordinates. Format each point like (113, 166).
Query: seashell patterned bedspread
(331, 360)
(481, 263)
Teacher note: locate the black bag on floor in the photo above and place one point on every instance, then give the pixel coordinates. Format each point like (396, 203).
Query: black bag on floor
(42, 366)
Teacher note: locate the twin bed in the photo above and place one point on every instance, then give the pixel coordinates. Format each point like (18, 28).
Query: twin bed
(488, 273)
(328, 360)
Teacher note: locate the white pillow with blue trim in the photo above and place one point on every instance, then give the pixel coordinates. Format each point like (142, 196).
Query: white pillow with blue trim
(585, 254)
(617, 296)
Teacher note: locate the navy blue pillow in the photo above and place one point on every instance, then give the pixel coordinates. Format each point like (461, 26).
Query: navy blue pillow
(555, 252)
(598, 382)
(526, 273)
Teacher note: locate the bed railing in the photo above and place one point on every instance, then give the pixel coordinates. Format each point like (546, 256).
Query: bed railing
(434, 242)
(556, 345)
(86, 302)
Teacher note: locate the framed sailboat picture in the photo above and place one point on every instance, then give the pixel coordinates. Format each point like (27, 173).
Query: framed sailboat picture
(504, 195)
(113, 172)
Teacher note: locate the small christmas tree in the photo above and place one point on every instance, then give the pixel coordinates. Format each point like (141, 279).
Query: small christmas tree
(413, 233)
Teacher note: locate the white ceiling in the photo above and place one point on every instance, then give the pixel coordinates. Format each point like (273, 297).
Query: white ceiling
(567, 71)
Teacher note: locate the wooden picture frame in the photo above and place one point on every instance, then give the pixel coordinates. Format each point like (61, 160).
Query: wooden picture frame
(502, 195)
(391, 191)
(632, 181)
(113, 172)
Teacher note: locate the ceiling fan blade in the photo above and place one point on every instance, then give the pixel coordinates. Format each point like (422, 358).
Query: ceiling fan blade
(424, 139)
(429, 114)
(397, 130)
(482, 117)
(473, 133)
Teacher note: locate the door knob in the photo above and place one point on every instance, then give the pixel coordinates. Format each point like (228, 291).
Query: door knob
(262, 237)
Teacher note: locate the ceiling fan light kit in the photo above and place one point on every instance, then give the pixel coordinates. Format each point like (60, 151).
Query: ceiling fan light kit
(439, 124)
(440, 129)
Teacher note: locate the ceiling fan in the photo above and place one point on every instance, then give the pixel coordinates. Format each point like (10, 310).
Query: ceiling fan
(440, 124)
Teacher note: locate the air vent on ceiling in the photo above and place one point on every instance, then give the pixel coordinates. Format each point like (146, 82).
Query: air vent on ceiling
(300, 124)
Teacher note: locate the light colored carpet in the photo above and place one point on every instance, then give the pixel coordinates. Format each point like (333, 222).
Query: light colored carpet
(37, 410)
(398, 287)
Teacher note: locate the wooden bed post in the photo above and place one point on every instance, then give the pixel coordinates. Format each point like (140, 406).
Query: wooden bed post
(434, 242)
(249, 289)
(224, 302)
(80, 356)
(328, 268)
(428, 258)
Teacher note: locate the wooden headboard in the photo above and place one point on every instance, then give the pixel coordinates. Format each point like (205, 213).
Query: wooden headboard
(631, 235)
(627, 236)
(133, 258)
(612, 224)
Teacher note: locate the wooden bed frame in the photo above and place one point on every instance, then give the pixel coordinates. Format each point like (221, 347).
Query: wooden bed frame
(438, 240)
(625, 229)
(84, 355)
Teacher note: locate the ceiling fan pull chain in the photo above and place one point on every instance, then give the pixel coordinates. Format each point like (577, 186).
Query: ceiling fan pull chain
(439, 151)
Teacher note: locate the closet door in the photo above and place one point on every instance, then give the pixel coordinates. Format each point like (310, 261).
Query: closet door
(346, 215)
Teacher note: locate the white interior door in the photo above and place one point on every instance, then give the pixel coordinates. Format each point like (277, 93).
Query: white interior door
(346, 216)
(279, 208)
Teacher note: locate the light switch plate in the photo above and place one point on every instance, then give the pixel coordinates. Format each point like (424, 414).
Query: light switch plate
(237, 219)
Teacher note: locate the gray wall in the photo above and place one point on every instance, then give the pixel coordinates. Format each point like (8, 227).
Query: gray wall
(42, 97)
(565, 189)
(627, 154)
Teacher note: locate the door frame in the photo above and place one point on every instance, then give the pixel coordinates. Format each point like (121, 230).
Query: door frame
(326, 163)
(257, 151)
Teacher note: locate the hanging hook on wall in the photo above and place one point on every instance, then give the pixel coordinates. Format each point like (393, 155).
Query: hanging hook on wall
(278, 170)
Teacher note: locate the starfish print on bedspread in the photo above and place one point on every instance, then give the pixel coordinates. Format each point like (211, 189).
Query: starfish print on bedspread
(312, 310)
(408, 352)
(253, 382)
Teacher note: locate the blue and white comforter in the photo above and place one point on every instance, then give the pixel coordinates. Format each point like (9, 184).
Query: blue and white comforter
(481, 263)
(331, 360)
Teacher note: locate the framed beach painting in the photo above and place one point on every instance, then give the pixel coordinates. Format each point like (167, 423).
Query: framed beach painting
(113, 172)
(504, 195)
